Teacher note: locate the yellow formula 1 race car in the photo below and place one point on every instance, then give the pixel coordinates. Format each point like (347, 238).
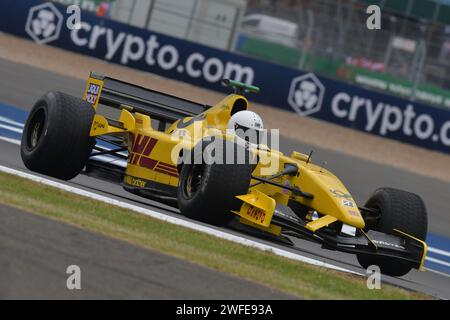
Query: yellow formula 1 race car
(200, 159)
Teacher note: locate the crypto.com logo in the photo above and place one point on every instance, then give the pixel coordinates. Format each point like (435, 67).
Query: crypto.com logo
(44, 23)
(306, 94)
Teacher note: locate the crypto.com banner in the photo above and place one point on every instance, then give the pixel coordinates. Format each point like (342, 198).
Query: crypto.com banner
(285, 88)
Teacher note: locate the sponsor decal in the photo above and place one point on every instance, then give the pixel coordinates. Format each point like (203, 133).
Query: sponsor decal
(92, 93)
(348, 203)
(256, 214)
(353, 213)
(132, 48)
(44, 23)
(306, 94)
(387, 119)
(181, 124)
(340, 194)
(98, 125)
(141, 149)
(134, 182)
(181, 133)
(388, 244)
(166, 168)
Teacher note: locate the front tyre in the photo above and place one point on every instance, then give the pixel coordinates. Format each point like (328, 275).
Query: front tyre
(55, 139)
(400, 210)
(207, 192)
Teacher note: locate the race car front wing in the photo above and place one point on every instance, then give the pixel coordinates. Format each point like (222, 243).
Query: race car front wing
(400, 245)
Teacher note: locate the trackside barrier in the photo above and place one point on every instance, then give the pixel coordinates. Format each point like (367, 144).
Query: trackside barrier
(282, 87)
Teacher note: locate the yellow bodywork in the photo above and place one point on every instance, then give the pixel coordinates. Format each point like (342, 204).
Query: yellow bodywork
(151, 158)
(257, 208)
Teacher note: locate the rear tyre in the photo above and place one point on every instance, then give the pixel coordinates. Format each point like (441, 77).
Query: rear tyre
(207, 192)
(400, 210)
(55, 139)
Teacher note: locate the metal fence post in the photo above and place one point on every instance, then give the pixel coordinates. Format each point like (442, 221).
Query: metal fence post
(309, 33)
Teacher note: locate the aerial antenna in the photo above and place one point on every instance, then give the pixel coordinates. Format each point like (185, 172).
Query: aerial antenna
(309, 157)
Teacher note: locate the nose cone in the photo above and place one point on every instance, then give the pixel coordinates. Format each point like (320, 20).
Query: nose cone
(348, 210)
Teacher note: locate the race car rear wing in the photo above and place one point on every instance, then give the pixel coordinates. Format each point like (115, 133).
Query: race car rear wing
(119, 94)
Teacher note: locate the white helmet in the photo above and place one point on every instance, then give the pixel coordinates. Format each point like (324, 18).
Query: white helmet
(247, 125)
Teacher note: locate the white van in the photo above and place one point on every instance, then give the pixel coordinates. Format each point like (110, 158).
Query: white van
(271, 28)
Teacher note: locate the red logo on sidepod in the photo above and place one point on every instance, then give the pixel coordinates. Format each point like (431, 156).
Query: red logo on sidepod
(141, 149)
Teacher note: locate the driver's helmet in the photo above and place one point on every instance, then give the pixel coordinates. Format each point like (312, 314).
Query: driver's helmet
(248, 126)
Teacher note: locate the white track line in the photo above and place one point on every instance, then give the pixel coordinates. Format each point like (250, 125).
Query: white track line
(438, 272)
(176, 221)
(13, 129)
(434, 260)
(439, 251)
(12, 122)
(105, 159)
(13, 141)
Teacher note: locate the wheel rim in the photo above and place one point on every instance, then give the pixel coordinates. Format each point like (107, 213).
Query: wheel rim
(36, 129)
(192, 183)
(374, 224)
(35, 134)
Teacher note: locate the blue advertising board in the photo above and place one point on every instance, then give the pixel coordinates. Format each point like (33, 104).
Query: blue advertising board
(303, 93)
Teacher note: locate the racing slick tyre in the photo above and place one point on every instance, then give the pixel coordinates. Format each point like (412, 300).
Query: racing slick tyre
(400, 210)
(207, 191)
(55, 138)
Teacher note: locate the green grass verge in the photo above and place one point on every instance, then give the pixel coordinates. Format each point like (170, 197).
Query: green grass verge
(289, 276)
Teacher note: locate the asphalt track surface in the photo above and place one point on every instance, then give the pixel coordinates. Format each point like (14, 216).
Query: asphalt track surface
(36, 252)
(22, 85)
